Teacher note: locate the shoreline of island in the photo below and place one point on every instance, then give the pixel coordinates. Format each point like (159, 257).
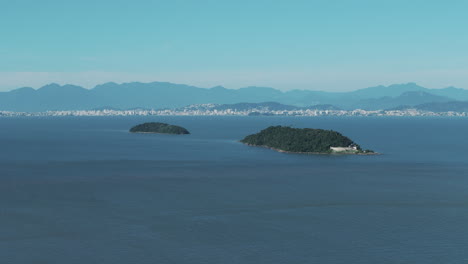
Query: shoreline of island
(312, 153)
(156, 133)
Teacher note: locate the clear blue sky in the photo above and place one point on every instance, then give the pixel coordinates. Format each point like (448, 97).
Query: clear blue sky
(320, 45)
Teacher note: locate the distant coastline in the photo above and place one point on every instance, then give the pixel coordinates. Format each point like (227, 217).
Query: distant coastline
(181, 97)
(234, 112)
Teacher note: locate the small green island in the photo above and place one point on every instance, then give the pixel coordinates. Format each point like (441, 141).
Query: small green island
(159, 128)
(304, 140)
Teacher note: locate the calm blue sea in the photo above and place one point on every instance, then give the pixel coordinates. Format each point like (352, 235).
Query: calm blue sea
(83, 190)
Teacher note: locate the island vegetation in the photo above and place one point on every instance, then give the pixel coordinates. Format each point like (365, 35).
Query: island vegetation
(161, 128)
(304, 140)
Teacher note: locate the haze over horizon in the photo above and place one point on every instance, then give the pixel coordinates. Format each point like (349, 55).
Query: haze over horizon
(313, 45)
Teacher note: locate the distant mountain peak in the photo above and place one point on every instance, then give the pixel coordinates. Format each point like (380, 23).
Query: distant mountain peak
(61, 88)
(106, 85)
(50, 86)
(452, 88)
(23, 90)
(218, 87)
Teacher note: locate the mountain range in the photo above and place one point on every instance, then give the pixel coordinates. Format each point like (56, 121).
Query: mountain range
(161, 95)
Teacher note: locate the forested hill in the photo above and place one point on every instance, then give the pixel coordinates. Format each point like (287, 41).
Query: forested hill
(161, 128)
(301, 140)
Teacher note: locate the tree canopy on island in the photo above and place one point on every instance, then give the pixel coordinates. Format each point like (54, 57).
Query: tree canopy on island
(306, 140)
(156, 127)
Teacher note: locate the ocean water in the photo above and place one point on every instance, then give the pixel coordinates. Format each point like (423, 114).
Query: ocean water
(84, 190)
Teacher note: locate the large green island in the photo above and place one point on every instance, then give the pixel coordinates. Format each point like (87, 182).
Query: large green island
(160, 128)
(304, 140)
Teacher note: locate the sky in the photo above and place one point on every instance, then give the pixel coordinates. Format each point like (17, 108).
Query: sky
(325, 45)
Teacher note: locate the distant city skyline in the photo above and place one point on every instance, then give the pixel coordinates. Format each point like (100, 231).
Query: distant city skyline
(314, 45)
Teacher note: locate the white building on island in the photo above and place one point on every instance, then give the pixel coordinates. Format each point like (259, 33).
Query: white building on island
(350, 148)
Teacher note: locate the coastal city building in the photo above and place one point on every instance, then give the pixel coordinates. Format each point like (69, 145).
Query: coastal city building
(208, 110)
